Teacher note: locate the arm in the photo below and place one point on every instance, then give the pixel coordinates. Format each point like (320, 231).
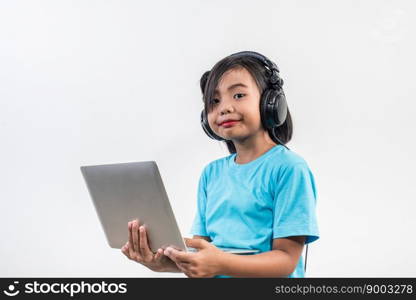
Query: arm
(279, 262)
(210, 261)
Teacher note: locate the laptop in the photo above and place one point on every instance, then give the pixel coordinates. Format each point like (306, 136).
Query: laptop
(126, 191)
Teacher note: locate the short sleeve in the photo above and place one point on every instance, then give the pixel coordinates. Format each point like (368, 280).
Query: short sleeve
(295, 204)
(199, 225)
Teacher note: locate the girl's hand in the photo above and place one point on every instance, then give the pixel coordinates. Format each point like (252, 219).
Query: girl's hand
(137, 249)
(207, 262)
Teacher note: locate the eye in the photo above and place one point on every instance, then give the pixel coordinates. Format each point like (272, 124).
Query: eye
(215, 101)
(239, 94)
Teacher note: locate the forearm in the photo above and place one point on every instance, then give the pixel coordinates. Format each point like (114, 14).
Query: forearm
(275, 263)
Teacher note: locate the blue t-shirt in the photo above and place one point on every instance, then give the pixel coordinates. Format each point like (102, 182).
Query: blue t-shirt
(248, 205)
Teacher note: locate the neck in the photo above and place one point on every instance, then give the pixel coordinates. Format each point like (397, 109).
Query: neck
(252, 147)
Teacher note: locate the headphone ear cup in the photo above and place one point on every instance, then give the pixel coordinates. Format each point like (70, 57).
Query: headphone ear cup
(264, 107)
(273, 108)
(281, 108)
(205, 126)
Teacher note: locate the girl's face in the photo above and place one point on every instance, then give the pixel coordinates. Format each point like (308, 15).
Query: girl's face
(237, 97)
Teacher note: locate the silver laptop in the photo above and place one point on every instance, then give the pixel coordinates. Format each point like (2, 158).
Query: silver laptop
(126, 191)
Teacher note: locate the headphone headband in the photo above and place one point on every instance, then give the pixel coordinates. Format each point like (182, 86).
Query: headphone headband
(271, 68)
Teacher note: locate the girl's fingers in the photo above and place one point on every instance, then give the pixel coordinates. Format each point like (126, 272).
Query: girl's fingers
(144, 246)
(134, 248)
(135, 233)
(184, 267)
(159, 254)
(125, 250)
(131, 249)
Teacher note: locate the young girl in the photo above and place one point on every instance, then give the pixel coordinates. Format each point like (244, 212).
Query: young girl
(261, 196)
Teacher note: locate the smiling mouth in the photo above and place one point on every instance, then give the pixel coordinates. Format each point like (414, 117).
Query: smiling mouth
(229, 124)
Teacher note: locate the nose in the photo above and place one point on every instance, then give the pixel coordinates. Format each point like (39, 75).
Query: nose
(226, 107)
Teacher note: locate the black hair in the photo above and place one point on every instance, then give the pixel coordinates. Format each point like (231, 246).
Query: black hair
(209, 82)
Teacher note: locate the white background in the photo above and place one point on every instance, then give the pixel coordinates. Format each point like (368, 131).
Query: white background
(95, 82)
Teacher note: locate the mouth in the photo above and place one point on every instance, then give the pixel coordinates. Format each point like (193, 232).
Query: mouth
(229, 123)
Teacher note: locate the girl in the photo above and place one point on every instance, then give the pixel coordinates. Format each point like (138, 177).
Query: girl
(261, 196)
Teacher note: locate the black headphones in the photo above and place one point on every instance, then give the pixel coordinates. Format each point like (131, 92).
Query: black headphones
(273, 106)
